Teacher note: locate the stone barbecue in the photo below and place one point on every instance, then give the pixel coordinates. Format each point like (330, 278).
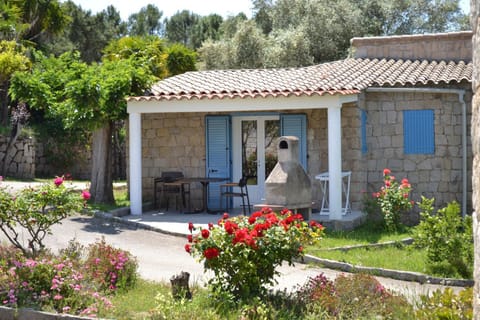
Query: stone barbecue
(288, 185)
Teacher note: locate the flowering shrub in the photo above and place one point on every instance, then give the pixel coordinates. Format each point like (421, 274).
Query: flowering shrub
(49, 283)
(110, 268)
(35, 210)
(356, 296)
(243, 252)
(393, 199)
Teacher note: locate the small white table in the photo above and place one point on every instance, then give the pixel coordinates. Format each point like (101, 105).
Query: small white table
(324, 182)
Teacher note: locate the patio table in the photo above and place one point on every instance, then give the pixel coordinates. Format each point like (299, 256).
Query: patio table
(205, 181)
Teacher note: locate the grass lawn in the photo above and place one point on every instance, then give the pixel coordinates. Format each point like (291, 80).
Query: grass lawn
(359, 236)
(397, 257)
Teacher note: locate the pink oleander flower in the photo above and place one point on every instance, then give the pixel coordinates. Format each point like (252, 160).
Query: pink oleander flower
(86, 195)
(58, 181)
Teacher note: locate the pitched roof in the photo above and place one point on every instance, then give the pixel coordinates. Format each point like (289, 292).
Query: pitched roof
(347, 76)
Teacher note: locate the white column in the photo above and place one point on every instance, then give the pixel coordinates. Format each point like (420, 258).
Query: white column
(335, 162)
(135, 153)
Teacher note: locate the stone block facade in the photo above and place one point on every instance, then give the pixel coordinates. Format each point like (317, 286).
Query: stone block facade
(453, 46)
(437, 175)
(20, 159)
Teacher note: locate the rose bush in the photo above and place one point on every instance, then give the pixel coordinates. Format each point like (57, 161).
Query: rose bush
(243, 251)
(34, 210)
(393, 199)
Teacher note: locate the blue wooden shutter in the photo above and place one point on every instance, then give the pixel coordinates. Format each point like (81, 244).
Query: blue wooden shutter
(418, 132)
(296, 125)
(364, 131)
(218, 155)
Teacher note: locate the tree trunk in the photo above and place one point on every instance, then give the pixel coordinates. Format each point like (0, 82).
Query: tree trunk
(475, 8)
(101, 187)
(4, 104)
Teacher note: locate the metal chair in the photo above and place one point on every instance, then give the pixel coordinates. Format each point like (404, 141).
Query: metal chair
(170, 185)
(235, 189)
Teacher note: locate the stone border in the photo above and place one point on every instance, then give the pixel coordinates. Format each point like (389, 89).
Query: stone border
(28, 314)
(388, 273)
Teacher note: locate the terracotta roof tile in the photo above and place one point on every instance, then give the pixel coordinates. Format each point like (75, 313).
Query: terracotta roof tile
(347, 76)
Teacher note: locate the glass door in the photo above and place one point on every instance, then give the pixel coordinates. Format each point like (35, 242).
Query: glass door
(255, 140)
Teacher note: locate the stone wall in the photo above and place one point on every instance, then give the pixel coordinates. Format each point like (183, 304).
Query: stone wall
(21, 157)
(437, 175)
(441, 46)
(173, 142)
(51, 165)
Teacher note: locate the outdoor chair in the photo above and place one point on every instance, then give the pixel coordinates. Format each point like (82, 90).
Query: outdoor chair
(170, 186)
(235, 189)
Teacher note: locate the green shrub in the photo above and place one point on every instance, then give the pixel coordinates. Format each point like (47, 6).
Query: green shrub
(447, 239)
(446, 305)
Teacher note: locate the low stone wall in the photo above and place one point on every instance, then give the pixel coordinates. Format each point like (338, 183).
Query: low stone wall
(20, 159)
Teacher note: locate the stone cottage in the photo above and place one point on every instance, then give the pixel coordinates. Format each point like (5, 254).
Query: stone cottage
(402, 102)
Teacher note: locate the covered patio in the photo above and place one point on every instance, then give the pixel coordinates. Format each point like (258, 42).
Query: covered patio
(252, 104)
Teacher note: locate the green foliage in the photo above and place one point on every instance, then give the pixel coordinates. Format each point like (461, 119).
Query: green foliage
(446, 237)
(243, 252)
(87, 33)
(446, 305)
(32, 212)
(393, 199)
(180, 59)
(12, 59)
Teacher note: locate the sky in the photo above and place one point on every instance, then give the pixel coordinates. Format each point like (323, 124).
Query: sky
(201, 7)
(170, 7)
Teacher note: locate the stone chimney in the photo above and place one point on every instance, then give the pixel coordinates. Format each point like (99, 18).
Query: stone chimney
(454, 46)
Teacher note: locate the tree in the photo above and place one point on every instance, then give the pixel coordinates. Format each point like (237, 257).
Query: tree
(12, 58)
(146, 22)
(180, 59)
(87, 33)
(180, 28)
(31, 19)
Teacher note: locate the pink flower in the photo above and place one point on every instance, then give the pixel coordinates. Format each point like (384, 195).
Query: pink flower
(386, 172)
(86, 195)
(58, 181)
(57, 297)
(1, 178)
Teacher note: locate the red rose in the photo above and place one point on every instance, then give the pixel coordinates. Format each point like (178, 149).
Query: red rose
(225, 216)
(211, 253)
(190, 238)
(188, 248)
(190, 226)
(315, 224)
(205, 233)
(210, 226)
(230, 227)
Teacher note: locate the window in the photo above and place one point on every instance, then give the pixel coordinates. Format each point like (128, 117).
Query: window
(418, 131)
